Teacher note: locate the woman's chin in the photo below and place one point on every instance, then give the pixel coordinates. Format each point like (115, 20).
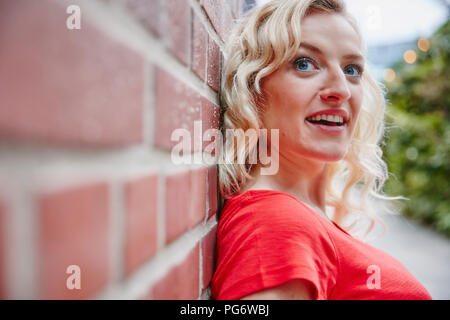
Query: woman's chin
(330, 156)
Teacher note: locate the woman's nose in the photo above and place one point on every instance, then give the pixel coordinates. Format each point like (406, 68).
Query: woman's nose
(336, 88)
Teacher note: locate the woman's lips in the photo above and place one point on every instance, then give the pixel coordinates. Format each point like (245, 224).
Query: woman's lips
(333, 112)
(327, 129)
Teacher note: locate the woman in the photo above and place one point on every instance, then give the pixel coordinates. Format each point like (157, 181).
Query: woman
(298, 66)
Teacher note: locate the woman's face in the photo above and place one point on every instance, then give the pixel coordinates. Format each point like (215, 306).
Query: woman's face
(324, 77)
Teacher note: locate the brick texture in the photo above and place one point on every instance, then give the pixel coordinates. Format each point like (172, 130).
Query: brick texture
(71, 99)
(220, 14)
(208, 255)
(189, 208)
(210, 120)
(181, 282)
(73, 230)
(178, 35)
(212, 190)
(141, 204)
(199, 46)
(213, 68)
(177, 107)
(149, 13)
(69, 86)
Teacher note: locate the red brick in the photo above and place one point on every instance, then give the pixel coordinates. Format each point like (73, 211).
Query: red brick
(178, 29)
(141, 206)
(208, 256)
(73, 230)
(199, 45)
(181, 282)
(213, 68)
(177, 200)
(177, 106)
(185, 201)
(198, 196)
(148, 12)
(212, 190)
(219, 14)
(65, 86)
(213, 8)
(210, 120)
(227, 24)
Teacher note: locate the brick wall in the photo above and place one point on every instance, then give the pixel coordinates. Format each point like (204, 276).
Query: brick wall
(86, 176)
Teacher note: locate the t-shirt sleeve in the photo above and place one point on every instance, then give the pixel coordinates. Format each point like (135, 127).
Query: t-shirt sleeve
(269, 241)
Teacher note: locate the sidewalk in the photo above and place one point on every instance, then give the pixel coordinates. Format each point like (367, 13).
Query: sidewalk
(425, 253)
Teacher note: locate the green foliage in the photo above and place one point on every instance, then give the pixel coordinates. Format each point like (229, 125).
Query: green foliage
(417, 148)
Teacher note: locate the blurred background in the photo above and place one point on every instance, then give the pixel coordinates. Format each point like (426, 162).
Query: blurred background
(86, 116)
(409, 52)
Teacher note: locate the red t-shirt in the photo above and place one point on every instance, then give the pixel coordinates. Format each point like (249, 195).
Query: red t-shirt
(266, 238)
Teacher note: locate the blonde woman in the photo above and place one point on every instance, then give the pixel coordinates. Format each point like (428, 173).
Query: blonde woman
(298, 67)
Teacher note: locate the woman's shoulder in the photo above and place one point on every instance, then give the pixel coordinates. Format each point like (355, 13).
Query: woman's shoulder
(266, 238)
(261, 202)
(267, 209)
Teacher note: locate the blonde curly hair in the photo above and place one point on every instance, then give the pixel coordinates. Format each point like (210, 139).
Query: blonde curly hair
(266, 37)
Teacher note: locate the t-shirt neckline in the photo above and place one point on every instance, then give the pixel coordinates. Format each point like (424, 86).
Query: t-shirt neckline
(285, 193)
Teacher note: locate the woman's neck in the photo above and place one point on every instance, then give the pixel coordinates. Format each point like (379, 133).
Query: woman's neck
(306, 182)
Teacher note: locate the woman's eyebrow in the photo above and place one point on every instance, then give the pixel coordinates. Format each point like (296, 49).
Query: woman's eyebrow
(310, 47)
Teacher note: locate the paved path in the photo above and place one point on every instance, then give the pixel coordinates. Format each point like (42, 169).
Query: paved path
(425, 253)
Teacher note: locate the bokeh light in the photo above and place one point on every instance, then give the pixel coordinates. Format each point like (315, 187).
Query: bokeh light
(389, 75)
(410, 56)
(423, 44)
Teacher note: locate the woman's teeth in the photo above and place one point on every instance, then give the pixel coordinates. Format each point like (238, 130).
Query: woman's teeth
(337, 120)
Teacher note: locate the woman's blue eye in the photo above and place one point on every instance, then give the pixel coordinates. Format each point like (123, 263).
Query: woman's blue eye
(301, 64)
(356, 73)
(305, 64)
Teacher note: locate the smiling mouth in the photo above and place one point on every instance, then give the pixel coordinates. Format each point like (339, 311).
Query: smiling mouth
(326, 122)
